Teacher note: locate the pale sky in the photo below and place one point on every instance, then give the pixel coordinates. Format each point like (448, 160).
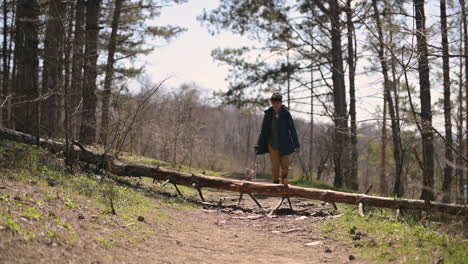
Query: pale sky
(187, 58)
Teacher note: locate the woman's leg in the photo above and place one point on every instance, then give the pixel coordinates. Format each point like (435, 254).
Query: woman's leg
(275, 163)
(284, 161)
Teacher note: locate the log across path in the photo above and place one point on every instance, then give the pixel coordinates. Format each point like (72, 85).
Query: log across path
(202, 181)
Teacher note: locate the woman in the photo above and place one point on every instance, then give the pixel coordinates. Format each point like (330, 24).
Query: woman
(278, 137)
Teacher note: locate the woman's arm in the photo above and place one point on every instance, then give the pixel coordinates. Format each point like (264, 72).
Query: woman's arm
(261, 138)
(292, 131)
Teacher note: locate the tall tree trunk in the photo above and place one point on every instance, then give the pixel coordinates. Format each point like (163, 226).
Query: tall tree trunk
(88, 117)
(383, 151)
(340, 150)
(9, 90)
(26, 56)
(425, 95)
(52, 74)
(77, 68)
(311, 131)
(460, 142)
(6, 71)
(397, 150)
(352, 181)
(106, 94)
(465, 53)
(447, 106)
(67, 85)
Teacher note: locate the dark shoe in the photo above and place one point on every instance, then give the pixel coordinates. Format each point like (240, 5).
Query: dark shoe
(276, 182)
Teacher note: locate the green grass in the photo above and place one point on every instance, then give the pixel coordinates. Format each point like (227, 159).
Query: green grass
(32, 213)
(106, 243)
(35, 166)
(382, 238)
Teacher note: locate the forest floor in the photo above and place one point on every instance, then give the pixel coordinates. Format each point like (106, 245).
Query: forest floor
(50, 226)
(49, 216)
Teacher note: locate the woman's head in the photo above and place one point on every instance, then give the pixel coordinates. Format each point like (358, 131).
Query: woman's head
(276, 101)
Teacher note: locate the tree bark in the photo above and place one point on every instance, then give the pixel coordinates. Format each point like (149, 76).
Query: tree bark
(200, 181)
(352, 181)
(52, 73)
(311, 125)
(397, 150)
(447, 105)
(107, 93)
(11, 58)
(77, 68)
(6, 70)
(383, 152)
(465, 53)
(427, 133)
(340, 150)
(26, 56)
(88, 117)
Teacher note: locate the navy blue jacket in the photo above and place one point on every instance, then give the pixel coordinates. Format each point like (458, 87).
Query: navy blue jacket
(287, 132)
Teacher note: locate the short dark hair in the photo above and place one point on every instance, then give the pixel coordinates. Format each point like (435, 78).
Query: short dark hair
(276, 97)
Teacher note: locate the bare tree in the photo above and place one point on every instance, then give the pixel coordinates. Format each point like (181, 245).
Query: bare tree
(77, 67)
(447, 105)
(352, 179)
(88, 117)
(107, 92)
(425, 96)
(397, 150)
(340, 118)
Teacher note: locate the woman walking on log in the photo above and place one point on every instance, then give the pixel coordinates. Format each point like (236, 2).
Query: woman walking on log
(278, 137)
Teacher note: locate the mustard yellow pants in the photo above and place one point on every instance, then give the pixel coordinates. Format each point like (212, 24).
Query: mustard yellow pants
(278, 162)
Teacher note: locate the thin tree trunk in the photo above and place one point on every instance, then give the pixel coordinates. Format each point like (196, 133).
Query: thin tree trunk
(397, 150)
(460, 142)
(383, 150)
(341, 151)
(6, 71)
(67, 85)
(465, 53)
(427, 133)
(447, 106)
(106, 94)
(352, 181)
(9, 91)
(26, 55)
(311, 131)
(88, 117)
(77, 68)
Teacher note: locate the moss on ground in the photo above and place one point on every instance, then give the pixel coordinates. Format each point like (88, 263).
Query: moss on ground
(382, 238)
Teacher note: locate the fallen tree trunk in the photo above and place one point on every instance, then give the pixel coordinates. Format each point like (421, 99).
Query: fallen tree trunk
(201, 181)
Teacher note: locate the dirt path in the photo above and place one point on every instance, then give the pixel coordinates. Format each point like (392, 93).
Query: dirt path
(206, 234)
(215, 237)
